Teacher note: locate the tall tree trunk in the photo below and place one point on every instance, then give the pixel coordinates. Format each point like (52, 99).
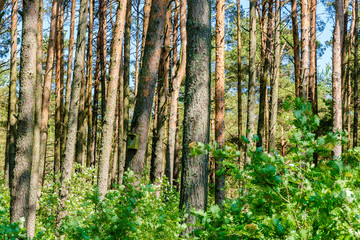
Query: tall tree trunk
(108, 124)
(252, 79)
(89, 80)
(296, 46)
(67, 167)
(336, 74)
(312, 78)
(305, 56)
(194, 177)
(239, 73)
(103, 45)
(11, 136)
(147, 8)
(157, 160)
(356, 75)
(220, 97)
(174, 94)
(59, 86)
(33, 191)
(47, 84)
(137, 45)
(122, 136)
(68, 77)
(135, 158)
(176, 172)
(20, 186)
(275, 78)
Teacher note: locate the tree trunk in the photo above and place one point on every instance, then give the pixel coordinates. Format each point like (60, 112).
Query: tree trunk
(108, 124)
(336, 74)
(20, 185)
(157, 160)
(305, 57)
(122, 136)
(174, 93)
(274, 83)
(33, 191)
(137, 45)
(356, 76)
(147, 8)
(220, 98)
(11, 136)
(252, 79)
(102, 49)
(135, 158)
(312, 79)
(79, 69)
(296, 47)
(194, 177)
(239, 73)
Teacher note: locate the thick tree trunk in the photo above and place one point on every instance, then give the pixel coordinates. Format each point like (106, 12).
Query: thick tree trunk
(174, 94)
(108, 124)
(313, 78)
(158, 158)
(67, 167)
(296, 46)
(356, 76)
(336, 74)
(12, 102)
(147, 8)
(305, 56)
(239, 73)
(33, 191)
(194, 177)
(220, 97)
(47, 84)
(135, 158)
(274, 83)
(252, 79)
(20, 186)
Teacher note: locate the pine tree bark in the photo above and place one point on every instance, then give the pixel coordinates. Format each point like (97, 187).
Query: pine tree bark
(122, 136)
(135, 159)
(305, 54)
(158, 158)
(12, 102)
(20, 186)
(239, 72)
(194, 175)
(103, 45)
(147, 8)
(296, 46)
(220, 98)
(137, 44)
(356, 75)
(79, 68)
(274, 83)
(174, 94)
(336, 74)
(108, 124)
(313, 78)
(252, 79)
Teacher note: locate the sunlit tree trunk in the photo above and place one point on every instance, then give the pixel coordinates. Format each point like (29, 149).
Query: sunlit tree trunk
(67, 166)
(20, 185)
(296, 46)
(356, 75)
(102, 49)
(194, 177)
(313, 78)
(305, 54)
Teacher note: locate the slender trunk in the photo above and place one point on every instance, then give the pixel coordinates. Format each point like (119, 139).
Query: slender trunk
(274, 83)
(158, 158)
(252, 79)
(220, 97)
(147, 8)
(20, 186)
(67, 167)
(30, 221)
(194, 177)
(239, 73)
(108, 124)
(312, 78)
(68, 77)
(11, 136)
(336, 74)
(176, 172)
(356, 75)
(296, 46)
(115, 147)
(102, 49)
(122, 136)
(89, 80)
(47, 85)
(174, 93)
(137, 43)
(305, 57)
(135, 158)
(282, 140)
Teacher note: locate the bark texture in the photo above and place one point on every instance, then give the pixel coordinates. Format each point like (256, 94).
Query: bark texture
(305, 54)
(296, 46)
(356, 75)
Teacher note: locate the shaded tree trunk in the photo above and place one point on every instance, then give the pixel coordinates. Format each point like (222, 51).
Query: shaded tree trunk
(313, 78)
(137, 45)
(135, 158)
(122, 136)
(336, 74)
(194, 177)
(20, 185)
(108, 124)
(67, 167)
(239, 73)
(296, 46)
(102, 49)
(356, 75)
